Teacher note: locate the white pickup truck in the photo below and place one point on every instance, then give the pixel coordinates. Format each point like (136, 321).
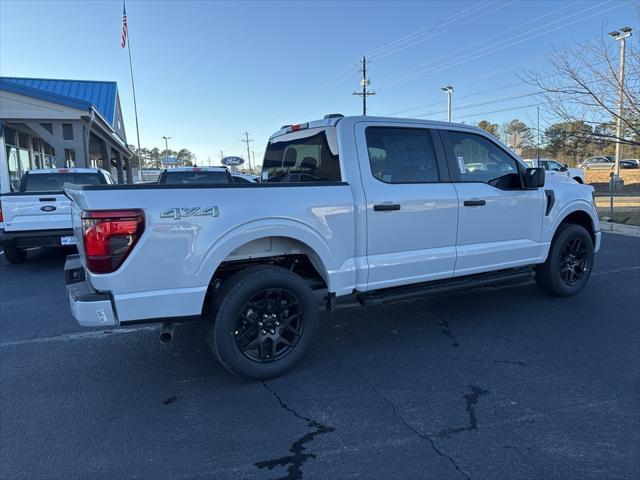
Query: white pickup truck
(38, 214)
(378, 208)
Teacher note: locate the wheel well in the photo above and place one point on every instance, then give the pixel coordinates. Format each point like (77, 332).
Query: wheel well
(582, 218)
(279, 251)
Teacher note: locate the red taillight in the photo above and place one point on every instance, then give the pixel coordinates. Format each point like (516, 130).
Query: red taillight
(109, 236)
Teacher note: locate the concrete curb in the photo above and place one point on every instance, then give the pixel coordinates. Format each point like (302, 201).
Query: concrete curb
(620, 229)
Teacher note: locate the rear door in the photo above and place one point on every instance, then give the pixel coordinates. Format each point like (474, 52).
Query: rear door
(411, 206)
(499, 222)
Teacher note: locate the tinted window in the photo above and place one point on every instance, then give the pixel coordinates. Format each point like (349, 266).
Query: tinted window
(480, 160)
(53, 182)
(401, 155)
(241, 180)
(200, 178)
(303, 159)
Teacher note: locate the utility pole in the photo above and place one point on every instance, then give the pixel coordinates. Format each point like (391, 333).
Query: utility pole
(621, 37)
(247, 140)
(538, 139)
(449, 90)
(364, 83)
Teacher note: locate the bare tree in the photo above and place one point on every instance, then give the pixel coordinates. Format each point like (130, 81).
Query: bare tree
(583, 85)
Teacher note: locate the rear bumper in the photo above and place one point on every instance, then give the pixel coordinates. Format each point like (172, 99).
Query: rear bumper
(33, 238)
(89, 307)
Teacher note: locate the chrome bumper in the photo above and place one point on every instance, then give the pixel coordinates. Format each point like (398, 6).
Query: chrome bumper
(89, 307)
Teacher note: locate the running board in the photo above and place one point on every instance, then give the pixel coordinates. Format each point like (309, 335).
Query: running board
(444, 286)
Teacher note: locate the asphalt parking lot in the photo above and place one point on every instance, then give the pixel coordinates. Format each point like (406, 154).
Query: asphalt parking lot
(490, 383)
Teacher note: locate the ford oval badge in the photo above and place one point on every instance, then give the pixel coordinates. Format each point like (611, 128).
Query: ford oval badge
(48, 208)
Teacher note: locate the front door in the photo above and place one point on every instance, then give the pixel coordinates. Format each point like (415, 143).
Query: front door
(411, 207)
(499, 222)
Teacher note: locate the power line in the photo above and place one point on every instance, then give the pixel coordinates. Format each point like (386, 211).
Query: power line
(490, 49)
(486, 102)
(498, 111)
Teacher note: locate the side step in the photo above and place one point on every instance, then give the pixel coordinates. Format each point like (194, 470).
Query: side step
(436, 287)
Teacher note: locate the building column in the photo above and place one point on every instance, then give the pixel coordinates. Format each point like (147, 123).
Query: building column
(105, 153)
(129, 172)
(119, 166)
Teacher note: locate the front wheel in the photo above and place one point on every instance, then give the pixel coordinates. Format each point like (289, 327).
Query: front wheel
(569, 263)
(265, 319)
(15, 255)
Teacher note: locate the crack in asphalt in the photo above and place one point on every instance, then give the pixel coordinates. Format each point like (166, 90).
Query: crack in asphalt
(295, 461)
(446, 330)
(472, 400)
(421, 435)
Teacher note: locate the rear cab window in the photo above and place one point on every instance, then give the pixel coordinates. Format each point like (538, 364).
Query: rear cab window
(309, 155)
(54, 182)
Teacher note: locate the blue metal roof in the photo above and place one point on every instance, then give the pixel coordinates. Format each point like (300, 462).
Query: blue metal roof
(75, 93)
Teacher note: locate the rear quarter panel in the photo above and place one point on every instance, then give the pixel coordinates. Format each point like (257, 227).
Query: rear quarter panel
(176, 258)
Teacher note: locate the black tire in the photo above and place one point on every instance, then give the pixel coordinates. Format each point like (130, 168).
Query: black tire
(254, 316)
(15, 255)
(567, 269)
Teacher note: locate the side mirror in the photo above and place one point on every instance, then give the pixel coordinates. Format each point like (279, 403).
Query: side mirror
(534, 178)
(565, 167)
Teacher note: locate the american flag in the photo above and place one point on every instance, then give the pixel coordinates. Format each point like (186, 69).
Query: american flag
(123, 41)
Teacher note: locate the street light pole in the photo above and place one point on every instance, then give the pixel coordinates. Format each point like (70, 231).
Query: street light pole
(449, 90)
(166, 146)
(621, 37)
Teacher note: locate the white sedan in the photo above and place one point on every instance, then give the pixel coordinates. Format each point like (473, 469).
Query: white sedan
(553, 167)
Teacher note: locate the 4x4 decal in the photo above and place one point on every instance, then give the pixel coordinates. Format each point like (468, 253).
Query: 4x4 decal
(178, 213)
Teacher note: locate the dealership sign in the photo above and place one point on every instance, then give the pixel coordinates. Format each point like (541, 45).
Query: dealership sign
(232, 161)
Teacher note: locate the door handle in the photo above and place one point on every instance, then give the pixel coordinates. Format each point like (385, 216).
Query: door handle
(474, 203)
(386, 207)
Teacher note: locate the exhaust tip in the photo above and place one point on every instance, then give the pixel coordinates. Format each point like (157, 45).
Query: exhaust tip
(166, 333)
(166, 337)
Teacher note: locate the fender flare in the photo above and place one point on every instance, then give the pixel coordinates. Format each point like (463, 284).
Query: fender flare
(264, 228)
(579, 205)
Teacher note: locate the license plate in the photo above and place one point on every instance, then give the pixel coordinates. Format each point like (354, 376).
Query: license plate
(71, 240)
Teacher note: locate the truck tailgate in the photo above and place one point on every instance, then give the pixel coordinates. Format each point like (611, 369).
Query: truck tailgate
(33, 211)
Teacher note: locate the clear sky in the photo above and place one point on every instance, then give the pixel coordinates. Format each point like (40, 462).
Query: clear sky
(207, 71)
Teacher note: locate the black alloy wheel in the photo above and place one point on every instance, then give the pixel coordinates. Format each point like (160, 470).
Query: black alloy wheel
(270, 325)
(574, 263)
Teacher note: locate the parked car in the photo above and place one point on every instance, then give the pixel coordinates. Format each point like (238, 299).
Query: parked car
(599, 162)
(553, 167)
(195, 175)
(245, 178)
(39, 215)
(378, 208)
(630, 163)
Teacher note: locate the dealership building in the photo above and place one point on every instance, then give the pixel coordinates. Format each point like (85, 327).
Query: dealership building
(47, 123)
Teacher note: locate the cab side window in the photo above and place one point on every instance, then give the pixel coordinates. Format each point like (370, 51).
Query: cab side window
(402, 155)
(480, 160)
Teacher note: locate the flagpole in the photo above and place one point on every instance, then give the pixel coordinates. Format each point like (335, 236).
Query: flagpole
(135, 105)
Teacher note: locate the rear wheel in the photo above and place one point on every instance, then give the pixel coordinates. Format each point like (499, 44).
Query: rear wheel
(15, 255)
(265, 320)
(569, 263)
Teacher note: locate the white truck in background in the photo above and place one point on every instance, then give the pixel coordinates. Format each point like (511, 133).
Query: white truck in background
(379, 208)
(39, 214)
(555, 168)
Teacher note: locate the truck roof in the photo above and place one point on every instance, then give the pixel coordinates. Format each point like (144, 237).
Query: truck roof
(333, 120)
(195, 169)
(61, 170)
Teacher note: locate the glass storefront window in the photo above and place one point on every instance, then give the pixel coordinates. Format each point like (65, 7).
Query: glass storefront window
(14, 168)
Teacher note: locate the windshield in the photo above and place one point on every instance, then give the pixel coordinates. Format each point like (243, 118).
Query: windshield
(53, 182)
(200, 178)
(301, 157)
